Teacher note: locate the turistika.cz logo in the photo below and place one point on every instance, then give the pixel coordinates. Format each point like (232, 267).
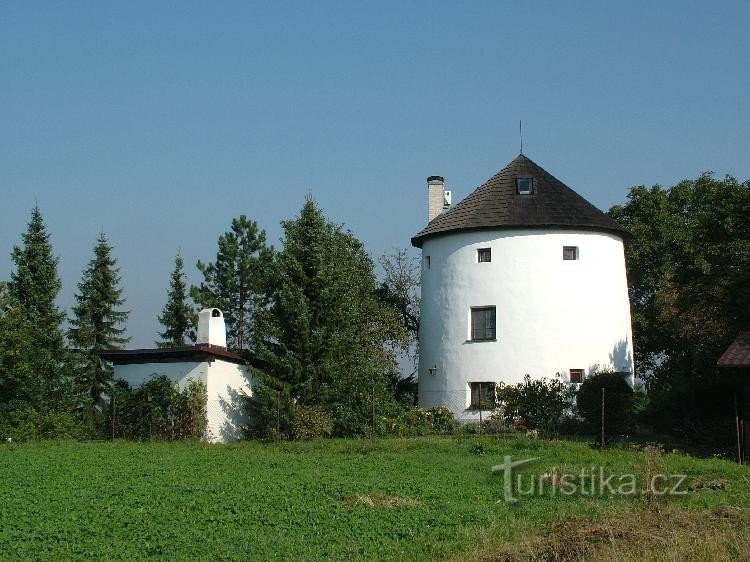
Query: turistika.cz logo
(589, 481)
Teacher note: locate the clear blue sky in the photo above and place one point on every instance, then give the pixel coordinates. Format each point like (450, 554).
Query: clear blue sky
(160, 121)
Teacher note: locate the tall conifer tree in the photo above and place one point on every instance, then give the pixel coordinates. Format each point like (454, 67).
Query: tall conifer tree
(177, 316)
(97, 325)
(33, 287)
(236, 281)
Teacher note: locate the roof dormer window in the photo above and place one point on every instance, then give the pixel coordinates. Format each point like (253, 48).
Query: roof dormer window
(524, 186)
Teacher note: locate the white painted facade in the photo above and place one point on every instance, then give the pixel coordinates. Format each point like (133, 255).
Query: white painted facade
(226, 379)
(552, 315)
(225, 382)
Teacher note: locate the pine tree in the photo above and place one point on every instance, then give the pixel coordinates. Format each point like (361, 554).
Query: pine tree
(236, 281)
(177, 316)
(33, 287)
(97, 325)
(324, 339)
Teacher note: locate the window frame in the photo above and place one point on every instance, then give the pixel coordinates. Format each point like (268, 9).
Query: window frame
(580, 374)
(473, 333)
(567, 249)
(482, 389)
(487, 252)
(530, 190)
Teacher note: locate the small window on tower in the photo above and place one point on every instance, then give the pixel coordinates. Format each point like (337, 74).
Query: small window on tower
(524, 186)
(484, 255)
(576, 376)
(427, 262)
(482, 396)
(570, 252)
(483, 323)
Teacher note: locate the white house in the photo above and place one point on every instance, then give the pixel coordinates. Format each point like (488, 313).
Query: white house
(522, 276)
(208, 361)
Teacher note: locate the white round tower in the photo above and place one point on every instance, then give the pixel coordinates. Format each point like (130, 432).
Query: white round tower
(524, 276)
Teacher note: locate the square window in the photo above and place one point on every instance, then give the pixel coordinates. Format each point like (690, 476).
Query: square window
(484, 255)
(576, 376)
(570, 252)
(524, 186)
(483, 323)
(482, 396)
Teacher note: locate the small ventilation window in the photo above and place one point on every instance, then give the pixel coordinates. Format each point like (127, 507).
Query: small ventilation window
(576, 376)
(427, 262)
(570, 252)
(484, 255)
(524, 186)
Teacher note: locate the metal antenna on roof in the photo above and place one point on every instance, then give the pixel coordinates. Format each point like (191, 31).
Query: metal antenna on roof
(520, 134)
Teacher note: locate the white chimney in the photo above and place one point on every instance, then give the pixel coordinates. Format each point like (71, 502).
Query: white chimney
(435, 196)
(211, 328)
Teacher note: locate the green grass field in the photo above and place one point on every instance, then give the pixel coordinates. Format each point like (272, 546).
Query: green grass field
(390, 499)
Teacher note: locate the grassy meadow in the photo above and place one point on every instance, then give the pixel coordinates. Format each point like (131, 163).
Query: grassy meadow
(390, 499)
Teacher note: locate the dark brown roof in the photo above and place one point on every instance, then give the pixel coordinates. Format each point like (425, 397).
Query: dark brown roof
(497, 205)
(737, 354)
(199, 352)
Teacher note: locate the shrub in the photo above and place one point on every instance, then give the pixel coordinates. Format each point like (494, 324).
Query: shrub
(60, 425)
(618, 402)
(158, 409)
(535, 403)
(309, 422)
(18, 421)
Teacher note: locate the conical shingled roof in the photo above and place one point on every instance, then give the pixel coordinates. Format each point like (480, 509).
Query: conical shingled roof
(497, 205)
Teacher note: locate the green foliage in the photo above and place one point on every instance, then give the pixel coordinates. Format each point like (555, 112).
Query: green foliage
(177, 316)
(20, 422)
(236, 282)
(310, 422)
(326, 339)
(33, 316)
(18, 376)
(399, 289)
(300, 500)
(158, 409)
(618, 403)
(97, 325)
(689, 282)
(535, 403)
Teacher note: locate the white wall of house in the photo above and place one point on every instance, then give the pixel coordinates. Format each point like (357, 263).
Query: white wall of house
(224, 383)
(552, 315)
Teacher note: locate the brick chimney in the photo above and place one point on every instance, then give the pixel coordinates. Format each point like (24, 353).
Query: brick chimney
(438, 199)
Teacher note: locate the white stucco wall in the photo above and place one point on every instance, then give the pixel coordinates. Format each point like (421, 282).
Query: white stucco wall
(224, 382)
(553, 315)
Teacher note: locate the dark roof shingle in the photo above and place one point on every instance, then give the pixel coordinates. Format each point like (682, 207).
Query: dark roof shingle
(495, 205)
(198, 352)
(737, 354)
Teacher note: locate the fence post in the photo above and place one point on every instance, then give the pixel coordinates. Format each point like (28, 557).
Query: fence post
(737, 428)
(278, 415)
(602, 417)
(480, 408)
(114, 412)
(374, 418)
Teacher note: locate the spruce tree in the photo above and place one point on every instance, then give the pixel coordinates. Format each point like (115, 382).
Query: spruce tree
(97, 325)
(324, 339)
(177, 316)
(236, 281)
(33, 288)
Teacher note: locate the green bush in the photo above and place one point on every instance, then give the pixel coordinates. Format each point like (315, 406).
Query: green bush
(60, 425)
(158, 409)
(535, 403)
(18, 421)
(618, 403)
(310, 422)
